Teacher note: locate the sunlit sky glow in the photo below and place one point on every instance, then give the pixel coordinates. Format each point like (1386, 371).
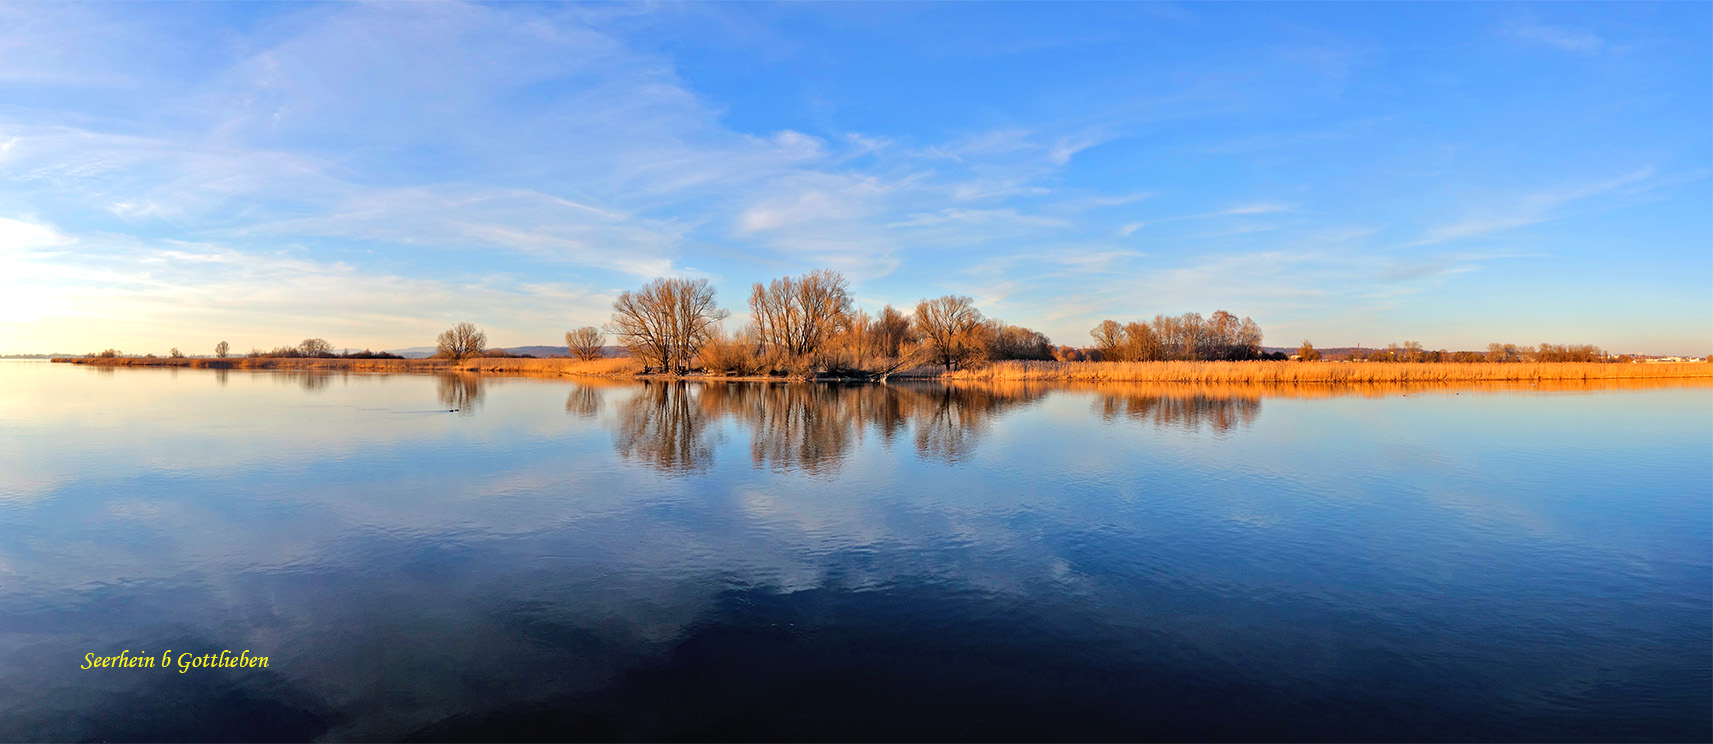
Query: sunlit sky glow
(178, 174)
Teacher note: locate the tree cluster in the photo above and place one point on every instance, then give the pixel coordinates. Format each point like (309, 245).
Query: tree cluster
(309, 348)
(809, 324)
(1187, 337)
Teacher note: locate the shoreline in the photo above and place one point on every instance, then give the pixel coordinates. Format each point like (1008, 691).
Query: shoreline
(1256, 372)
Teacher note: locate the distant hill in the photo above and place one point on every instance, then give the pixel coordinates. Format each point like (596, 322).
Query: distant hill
(541, 351)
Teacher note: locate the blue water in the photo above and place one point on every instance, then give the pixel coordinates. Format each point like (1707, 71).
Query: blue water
(564, 560)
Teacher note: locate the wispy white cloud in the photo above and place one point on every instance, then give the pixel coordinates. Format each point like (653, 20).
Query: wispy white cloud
(18, 236)
(979, 217)
(154, 294)
(1564, 38)
(1062, 151)
(1120, 200)
(1529, 209)
(1241, 210)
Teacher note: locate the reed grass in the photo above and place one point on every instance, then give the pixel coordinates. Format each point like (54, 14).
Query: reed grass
(1325, 372)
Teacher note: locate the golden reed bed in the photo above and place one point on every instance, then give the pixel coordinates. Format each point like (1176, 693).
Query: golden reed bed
(1325, 372)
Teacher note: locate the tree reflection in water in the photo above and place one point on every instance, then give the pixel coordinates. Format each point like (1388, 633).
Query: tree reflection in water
(805, 426)
(584, 401)
(459, 391)
(814, 427)
(1187, 410)
(663, 427)
(311, 380)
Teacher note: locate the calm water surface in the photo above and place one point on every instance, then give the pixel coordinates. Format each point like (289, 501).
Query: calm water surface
(568, 560)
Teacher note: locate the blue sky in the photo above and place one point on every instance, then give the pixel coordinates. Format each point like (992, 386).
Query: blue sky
(177, 174)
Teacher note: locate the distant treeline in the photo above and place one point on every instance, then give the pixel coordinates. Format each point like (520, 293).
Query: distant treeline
(317, 348)
(311, 348)
(1412, 351)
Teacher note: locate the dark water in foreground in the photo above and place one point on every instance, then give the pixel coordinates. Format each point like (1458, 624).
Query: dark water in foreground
(620, 561)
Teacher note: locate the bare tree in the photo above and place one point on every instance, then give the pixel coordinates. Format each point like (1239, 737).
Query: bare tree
(1249, 339)
(586, 342)
(315, 347)
(462, 340)
(220, 349)
(1141, 343)
(1180, 337)
(1006, 341)
(666, 322)
(892, 331)
(952, 330)
(1132, 342)
(175, 353)
(1108, 337)
(1308, 353)
(1220, 335)
(1412, 352)
(796, 316)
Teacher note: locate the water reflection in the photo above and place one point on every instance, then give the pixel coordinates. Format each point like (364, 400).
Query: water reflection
(584, 401)
(803, 426)
(953, 419)
(1189, 412)
(1497, 569)
(813, 427)
(459, 391)
(663, 427)
(311, 380)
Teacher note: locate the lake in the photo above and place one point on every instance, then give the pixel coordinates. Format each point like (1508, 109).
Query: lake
(458, 557)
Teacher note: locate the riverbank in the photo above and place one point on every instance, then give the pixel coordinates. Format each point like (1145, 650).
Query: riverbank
(1171, 372)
